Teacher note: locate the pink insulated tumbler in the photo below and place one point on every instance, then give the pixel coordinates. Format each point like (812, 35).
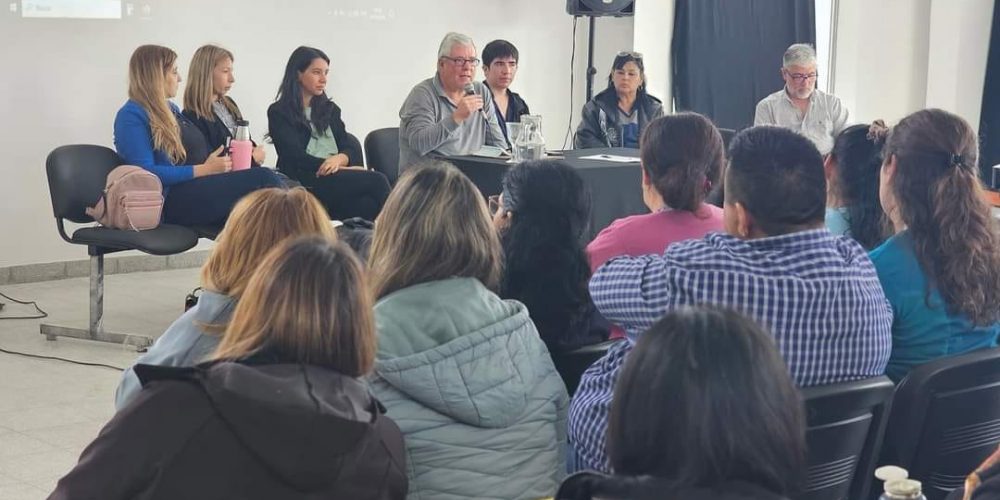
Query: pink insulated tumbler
(240, 148)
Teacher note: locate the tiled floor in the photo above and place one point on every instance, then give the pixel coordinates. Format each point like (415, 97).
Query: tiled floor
(50, 410)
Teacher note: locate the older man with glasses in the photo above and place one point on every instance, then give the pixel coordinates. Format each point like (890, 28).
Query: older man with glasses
(800, 106)
(449, 114)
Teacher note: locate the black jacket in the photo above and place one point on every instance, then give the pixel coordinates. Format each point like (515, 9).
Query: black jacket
(291, 138)
(215, 131)
(599, 124)
(234, 430)
(591, 485)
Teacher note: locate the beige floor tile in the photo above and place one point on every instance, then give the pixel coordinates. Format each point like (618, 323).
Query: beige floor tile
(38, 466)
(14, 444)
(21, 491)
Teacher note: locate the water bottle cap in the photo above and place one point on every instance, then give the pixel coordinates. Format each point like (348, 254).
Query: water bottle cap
(891, 472)
(906, 488)
(242, 123)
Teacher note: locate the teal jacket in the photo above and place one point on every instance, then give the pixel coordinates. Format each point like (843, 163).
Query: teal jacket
(471, 385)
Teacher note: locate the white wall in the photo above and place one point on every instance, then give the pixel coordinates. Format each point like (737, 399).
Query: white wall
(958, 49)
(63, 79)
(894, 57)
(654, 31)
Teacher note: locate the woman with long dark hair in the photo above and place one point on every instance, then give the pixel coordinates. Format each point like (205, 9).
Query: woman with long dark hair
(617, 116)
(704, 409)
(313, 145)
(941, 270)
(542, 216)
(852, 172)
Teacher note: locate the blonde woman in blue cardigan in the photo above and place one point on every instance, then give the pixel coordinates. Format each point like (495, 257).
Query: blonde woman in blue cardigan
(461, 371)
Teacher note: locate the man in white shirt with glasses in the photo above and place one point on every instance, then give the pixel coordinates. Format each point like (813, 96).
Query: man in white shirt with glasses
(800, 106)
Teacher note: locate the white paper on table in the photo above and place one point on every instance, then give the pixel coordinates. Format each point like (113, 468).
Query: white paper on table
(614, 158)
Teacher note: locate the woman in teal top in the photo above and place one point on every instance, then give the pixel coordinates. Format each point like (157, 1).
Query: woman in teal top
(941, 271)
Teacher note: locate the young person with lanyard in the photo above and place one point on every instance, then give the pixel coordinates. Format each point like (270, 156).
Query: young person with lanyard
(500, 59)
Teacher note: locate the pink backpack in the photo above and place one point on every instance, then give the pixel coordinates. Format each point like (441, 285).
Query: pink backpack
(132, 199)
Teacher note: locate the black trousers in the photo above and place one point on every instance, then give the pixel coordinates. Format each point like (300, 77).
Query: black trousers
(207, 201)
(350, 193)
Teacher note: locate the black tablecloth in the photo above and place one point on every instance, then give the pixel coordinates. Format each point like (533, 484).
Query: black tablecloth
(615, 188)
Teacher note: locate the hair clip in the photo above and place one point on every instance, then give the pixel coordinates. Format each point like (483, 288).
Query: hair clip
(957, 160)
(877, 131)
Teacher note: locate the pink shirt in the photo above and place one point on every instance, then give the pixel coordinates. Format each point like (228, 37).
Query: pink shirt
(652, 233)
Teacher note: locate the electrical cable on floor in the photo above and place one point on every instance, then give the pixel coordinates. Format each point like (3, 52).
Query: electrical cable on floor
(41, 313)
(56, 358)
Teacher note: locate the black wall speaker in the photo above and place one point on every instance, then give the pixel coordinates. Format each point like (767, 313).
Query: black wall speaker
(595, 8)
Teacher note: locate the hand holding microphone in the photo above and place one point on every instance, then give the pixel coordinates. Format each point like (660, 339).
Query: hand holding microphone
(468, 105)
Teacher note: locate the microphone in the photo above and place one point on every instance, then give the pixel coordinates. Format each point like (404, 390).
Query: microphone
(470, 89)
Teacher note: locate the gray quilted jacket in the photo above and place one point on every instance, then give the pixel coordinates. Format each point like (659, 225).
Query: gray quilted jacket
(471, 385)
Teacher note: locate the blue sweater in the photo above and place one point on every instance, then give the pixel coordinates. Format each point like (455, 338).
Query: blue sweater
(134, 142)
(921, 333)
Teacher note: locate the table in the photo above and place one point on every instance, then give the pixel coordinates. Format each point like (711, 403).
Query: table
(615, 188)
(994, 198)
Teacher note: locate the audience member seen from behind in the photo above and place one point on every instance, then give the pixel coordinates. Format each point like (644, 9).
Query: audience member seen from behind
(617, 116)
(313, 145)
(198, 187)
(260, 221)
(682, 157)
(500, 59)
(800, 106)
(206, 103)
(463, 372)
(440, 116)
(704, 409)
(542, 216)
(280, 412)
(816, 293)
(852, 171)
(941, 270)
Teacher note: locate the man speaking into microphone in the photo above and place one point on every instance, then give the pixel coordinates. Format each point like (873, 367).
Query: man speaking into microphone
(448, 114)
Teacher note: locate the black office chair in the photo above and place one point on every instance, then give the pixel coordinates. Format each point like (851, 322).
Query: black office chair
(77, 176)
(354, 143)
(382, 150)
(945, 420)
(572, 364)
(844, 434)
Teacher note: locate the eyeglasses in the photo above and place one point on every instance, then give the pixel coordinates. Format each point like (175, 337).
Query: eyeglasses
(634, 55)
(801, 78)
(494, 204)
(458, 61)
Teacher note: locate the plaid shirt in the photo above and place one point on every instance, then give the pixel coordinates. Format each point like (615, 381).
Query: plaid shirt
(818, 294)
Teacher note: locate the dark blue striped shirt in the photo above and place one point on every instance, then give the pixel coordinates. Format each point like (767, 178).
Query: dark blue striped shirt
(817, 293)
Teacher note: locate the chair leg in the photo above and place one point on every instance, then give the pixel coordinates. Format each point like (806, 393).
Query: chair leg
(95, 330)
